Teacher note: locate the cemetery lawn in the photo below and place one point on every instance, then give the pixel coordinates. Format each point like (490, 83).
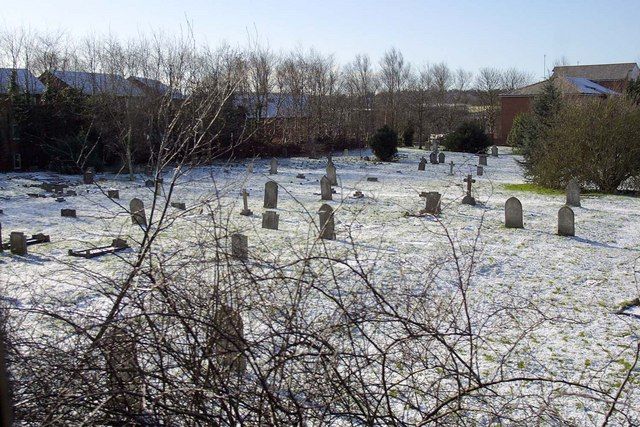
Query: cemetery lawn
(578, 283)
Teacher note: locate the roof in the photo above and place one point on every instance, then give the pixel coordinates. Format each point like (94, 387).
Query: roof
(600, 72)
(277, 105)
(95, 83)
(154, 87)
(567, 85)
(26, 81)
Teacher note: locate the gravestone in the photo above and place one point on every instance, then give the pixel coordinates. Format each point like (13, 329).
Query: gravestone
(270, 220)
(301, 176)
(451, 164)
(327, 223)
(68, 213)
(229, 340)
(345, 152)
(245, 203)
(441, 158)
(138, 215)
(372, 179)
(433, 203)
(494, 150)
(482, 159)
(331, 173)
(239, 246)
(271, 195)
(274, 167)
(479, 170)
(325, 189)
(18, 242)
(179, 205)
(433, 158)
(513, 213)
(250, 167)
(435, 145)
(566, 222)
(113, 194)
(149, 183)
(422, 164)
(573, 193)
(71, 193)
(468, 198)
(88, 177)
(124, 381)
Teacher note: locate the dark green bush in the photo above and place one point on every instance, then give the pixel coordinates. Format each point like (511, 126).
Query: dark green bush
(407, 135)
(469, 137)
(384, 143)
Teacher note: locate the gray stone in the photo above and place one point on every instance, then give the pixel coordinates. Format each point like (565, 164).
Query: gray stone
(441, 158)
(301, 176)
(468, 198)
(345, 152)
(228, 336)
(573, 193)
(60, 199)
(566, 222)
(250, 167)
(494, 150)
(513, 213)
(433, 201)
(274, 167)
(239, 246)
(433, 158)
(88, 177)
(482, 159)
(331, 173)
(113, 194)
(138, 214)
(479, 170)
(327, 223)
(422, 164)
(245, 203)
(149, 183)
(271, 195)
(179, 205)
(372, 179)
(71, 193)
(18, 243)
(270, 220)
(325, 188)
(451, 164)
(68, 213)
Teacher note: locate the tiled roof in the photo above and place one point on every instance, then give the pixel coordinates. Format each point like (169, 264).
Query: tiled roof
(95, 83)
(567, 85)
(155, 86)
(26, 81)
(599, 72)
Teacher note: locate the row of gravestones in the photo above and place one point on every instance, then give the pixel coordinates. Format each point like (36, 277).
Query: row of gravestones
(513, 217)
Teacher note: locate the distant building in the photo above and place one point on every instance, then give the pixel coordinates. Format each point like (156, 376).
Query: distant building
(154, 88)
(573, 81)
(92, 83)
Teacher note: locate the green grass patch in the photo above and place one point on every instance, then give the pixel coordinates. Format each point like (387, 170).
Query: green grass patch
(533, 188)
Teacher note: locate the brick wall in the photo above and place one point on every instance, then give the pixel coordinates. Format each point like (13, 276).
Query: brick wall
(511, 106)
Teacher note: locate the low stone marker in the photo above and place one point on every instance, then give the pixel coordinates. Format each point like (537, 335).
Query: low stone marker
(372, 179)
(301, 176)
(274, 167)
(245, 203)
(149, 183)
(116, 245)
(71, 193)
(239, 246)
(433, 158)
(433, 203)
(179, 205)
(451, 164)
(88, 177)
(422, 164)
(68, 213)
(250, 168)
(270, 220)
(345, 152)
(468, 198)
(327, 223)
(479, 170)
(138, 214)
(573, 193)
(271, 195)
(331, 173)
(325, 189)
(513, 213)
(494, 150)
(113, 194)
(441, 157)
(18, 242)
(566, 222)
(482, 159)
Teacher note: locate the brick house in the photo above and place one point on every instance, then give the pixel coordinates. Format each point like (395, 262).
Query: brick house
(573, 81)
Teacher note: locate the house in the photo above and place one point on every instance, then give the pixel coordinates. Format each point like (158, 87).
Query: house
(573, 81)
(14, 81)
(154, 88)
(92, 83)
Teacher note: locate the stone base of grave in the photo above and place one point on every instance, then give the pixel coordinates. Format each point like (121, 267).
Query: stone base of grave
(246, 212)
(468, 200)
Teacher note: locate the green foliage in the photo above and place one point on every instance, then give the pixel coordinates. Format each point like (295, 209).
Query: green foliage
(469, 137)
(547, 104)
(384, 143)
(633, 91)
(524, 132)
(408, 134)
(533, 188)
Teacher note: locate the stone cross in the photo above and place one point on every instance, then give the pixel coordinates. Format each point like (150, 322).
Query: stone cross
(573, 193)
(468, 199)
(138, 215)
(239, 246)
(441, 158)
(494, 150)
(113, 194)
(88, 176)
(422, 164)
(18, 243)
(270, 220)
(325, 189)
(513, 213)
(451, 164)
(433, 202)
(482, 159)
(245, 203)
(566, 222)
(331, 173)
(327, 224)
(274, 167)
(271, 195)
(479, 170)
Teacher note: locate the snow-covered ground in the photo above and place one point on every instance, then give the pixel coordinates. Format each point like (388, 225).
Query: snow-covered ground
(579, 283)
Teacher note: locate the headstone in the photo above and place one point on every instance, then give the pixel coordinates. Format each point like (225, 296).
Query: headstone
(327, 223)
(274, 167)
(494, 150)
(113, 194)
(433, 203)
(441, 158)
(229, 340)
(331, 173)
(345, 152)
(270, 220)
(250, 167)
(573, 193)
(124, 379)
(325, 188)
(149, 183)
(433, 158)
(68, 213)
(566, 222)
(435, 145)
(239, 246)
(479, 170)
(451, 164)
(513, 213)
(468, 198)
(138, 215)
(179, 205)
(60, 199)
(18, 242)
(482, 159)
(358, 194)
(71, 193)
(300, 176)
(372, 179)
(245, 203)
(422, 164)
(271, 195)
(88, 177)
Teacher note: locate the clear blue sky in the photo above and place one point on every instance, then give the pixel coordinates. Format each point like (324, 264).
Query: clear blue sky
(467, 34)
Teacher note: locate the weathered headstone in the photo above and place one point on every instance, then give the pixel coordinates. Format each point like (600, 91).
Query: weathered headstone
(494, 150)
(433, 203)
(113, 194)
(270, 220)
(239, 246)
(482, 159)
(468, 198)
(88, 177)
(422, 164)
(479, 170)
(245, 203)
(149, 183)
(325, 188)
(138, 214)
(331, 173)
(229, 340)
(271, 195)
(71, 193)
(179, 205)
(301, 176)
(345, 152)
(441, 158)
(124, 379)
(250, 167)
(566, 222)
(327, 223)
(451, 164)
(274, 166)
(372, 179)
(573, 193)
(433, 158)
(513, 213)
(18, 243)
(68, 213)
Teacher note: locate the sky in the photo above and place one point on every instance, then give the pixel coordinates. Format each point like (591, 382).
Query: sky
(464, 34)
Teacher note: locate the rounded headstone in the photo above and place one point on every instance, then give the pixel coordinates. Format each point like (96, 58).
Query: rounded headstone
(513, 213)
(566, 222)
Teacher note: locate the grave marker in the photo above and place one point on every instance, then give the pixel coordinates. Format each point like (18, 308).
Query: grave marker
(239, 246)
(325, 189)
(566, 222)
(331, 173)
(18, 242)
(271, 195)
(245, 203)
(113, 194)
(88, 177)
(229, 340)
(482, 159)
(441, 158)
(494, 150)
(479, 170)
(573, 193)
(270, 220)
(179, 205)
(468, 198)
(422, 164)
(327, 224)
(513, 213)
(138, 214)
(68, 213)
(433, 201)
(274, 167)
(451, 164)
(433, 158)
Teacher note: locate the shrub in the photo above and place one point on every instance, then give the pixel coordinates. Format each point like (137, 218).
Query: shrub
(469, 137)
(407, 136)
(384, 143)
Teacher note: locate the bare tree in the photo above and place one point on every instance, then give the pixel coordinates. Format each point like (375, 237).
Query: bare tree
(394, 76)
